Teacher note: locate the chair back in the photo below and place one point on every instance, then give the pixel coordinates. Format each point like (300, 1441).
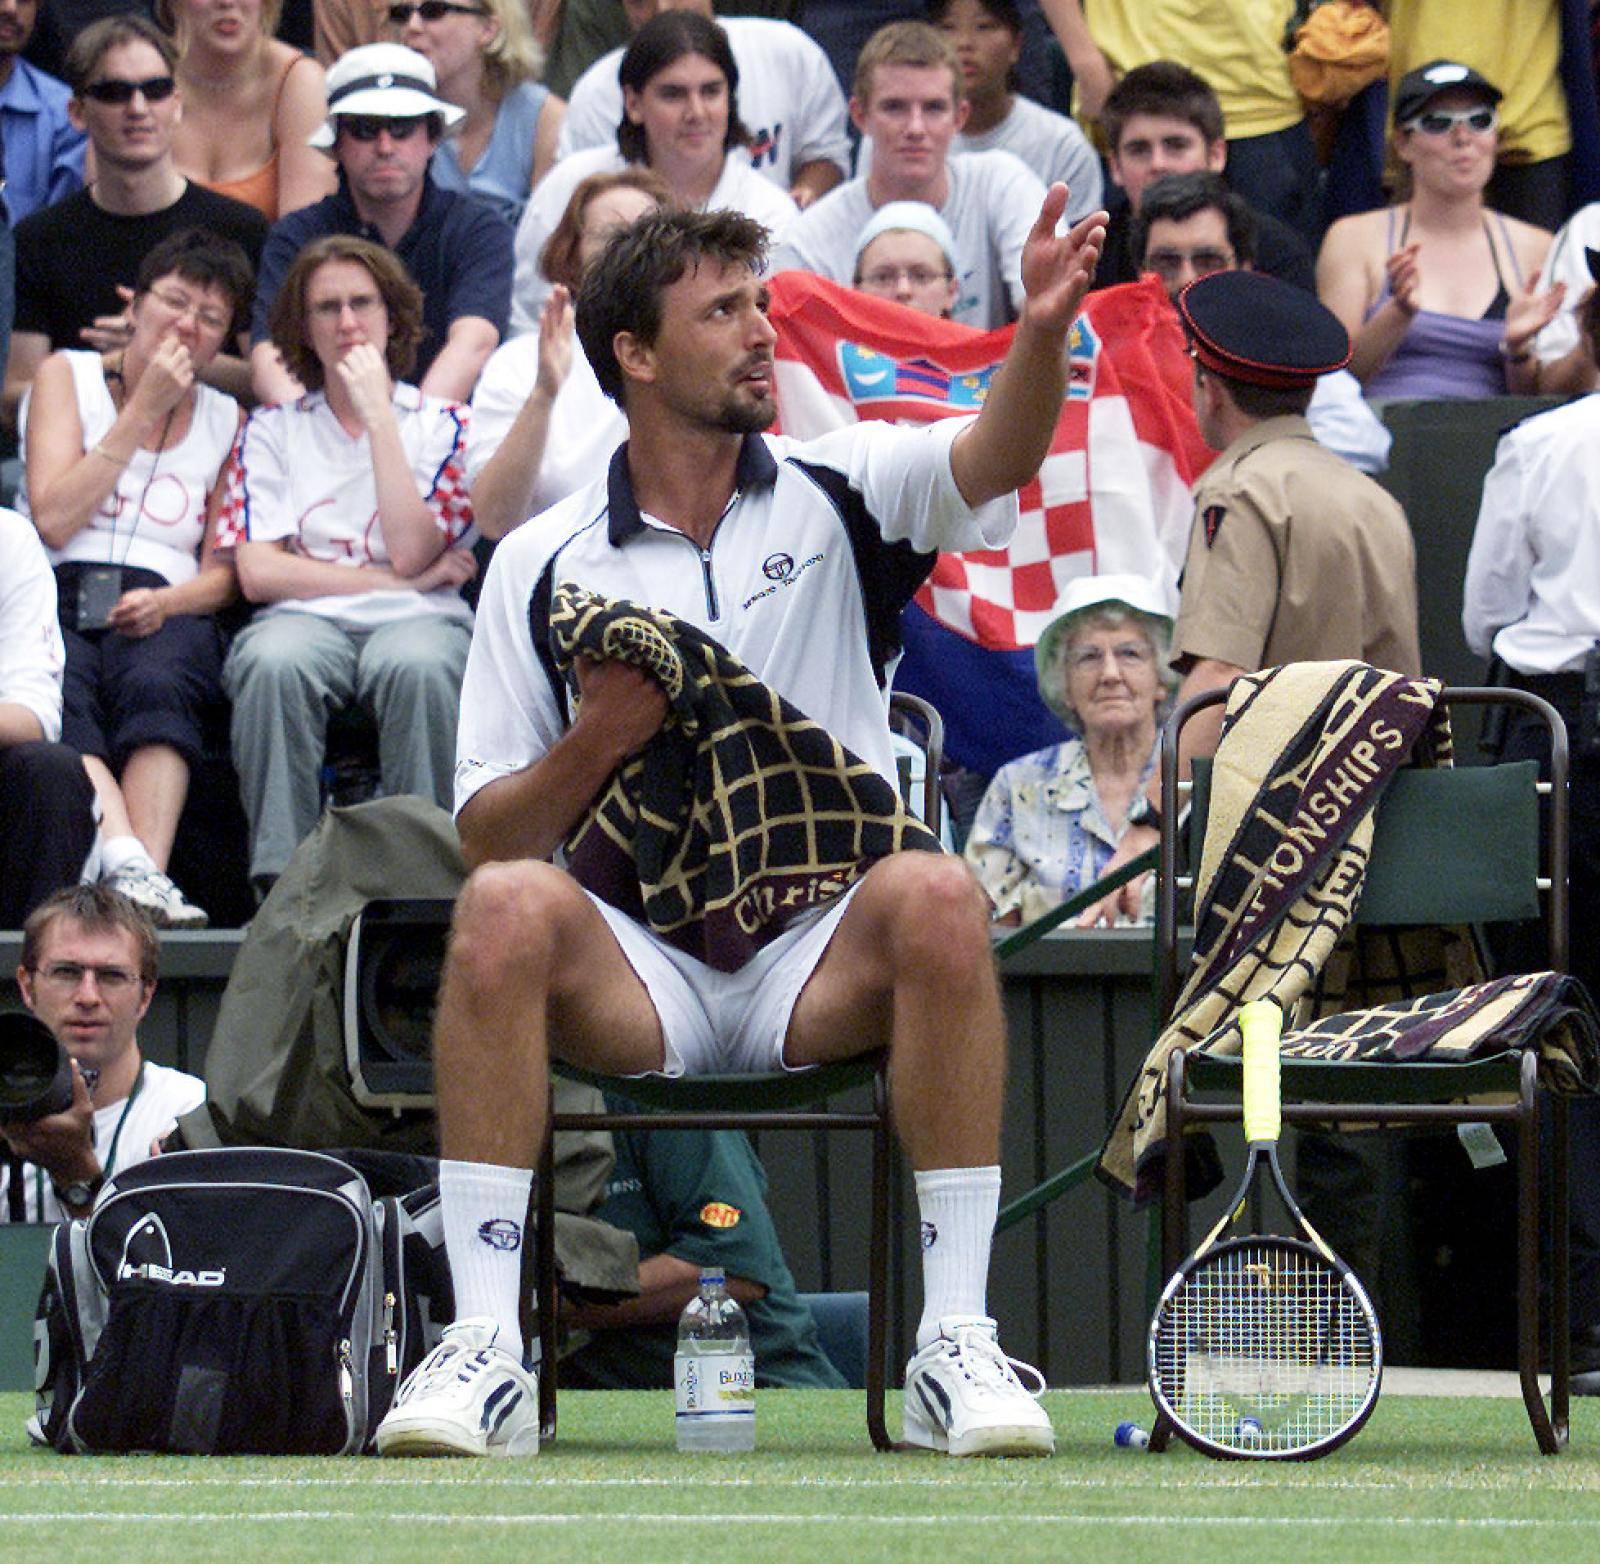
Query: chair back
(1451, 845)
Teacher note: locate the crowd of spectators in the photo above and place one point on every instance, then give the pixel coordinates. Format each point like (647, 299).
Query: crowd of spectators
(491, 146)
(291, 338)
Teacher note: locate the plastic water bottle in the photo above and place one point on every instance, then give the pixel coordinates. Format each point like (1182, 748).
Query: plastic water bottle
(1129, 1436)
(715, 1371)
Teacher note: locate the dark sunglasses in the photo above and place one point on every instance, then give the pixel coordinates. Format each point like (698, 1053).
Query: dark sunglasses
(365, 127)
(113, 89)
(432, 11)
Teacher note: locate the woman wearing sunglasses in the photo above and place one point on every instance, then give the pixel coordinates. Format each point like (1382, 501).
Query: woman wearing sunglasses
(124, 457)
(485, 58)
(249, 104)
(1440, 295)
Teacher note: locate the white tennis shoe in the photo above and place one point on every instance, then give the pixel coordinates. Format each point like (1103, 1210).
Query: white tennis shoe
(467, 1397)
(964, 1395)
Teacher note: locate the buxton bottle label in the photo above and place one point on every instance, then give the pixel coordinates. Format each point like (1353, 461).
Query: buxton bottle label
(718, 1382)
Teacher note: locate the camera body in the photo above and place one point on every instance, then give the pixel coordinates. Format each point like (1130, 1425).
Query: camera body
(35, 1071)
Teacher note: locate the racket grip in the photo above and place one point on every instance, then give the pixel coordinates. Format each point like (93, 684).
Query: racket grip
(1261, 1025)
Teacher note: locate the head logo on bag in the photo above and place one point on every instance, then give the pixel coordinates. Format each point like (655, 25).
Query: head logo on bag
(147, 1257)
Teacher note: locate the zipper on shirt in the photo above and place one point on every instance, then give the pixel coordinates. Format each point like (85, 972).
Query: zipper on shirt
(710, 584)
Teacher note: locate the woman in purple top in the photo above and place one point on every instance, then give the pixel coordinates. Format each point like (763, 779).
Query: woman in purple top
(1440, 295)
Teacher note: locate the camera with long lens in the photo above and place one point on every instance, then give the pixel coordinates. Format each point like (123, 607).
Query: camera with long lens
(35, 1072)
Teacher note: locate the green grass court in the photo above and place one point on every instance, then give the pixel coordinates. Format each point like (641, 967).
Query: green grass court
(1435, 1479)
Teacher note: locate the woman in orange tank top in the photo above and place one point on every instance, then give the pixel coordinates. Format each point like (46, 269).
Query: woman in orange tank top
(249, 105)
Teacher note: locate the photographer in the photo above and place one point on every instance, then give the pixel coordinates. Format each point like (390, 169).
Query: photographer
(88, 972)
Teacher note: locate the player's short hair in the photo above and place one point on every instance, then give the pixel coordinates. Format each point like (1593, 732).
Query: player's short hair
(1178, 197)
(622, 289)
(1166, 88)
(662, 41)
(99, 909)
(402, 298)
(905, 43)
(98, 39)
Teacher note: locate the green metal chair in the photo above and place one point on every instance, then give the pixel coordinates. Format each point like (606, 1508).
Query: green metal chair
(784, 1101)
(1452, 846)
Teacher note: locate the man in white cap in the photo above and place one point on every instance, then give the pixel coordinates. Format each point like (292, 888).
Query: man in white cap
(385, 117)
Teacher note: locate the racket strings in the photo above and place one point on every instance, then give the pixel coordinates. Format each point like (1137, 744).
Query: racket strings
(1264, 1348)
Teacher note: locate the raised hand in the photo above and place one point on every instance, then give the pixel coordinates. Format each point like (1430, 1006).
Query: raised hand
(556, 320)
(365, 376)
(1529, 312)
(1058, 268)
(1405, 277)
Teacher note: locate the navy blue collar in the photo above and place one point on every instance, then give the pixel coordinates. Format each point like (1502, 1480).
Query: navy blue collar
(756, 470)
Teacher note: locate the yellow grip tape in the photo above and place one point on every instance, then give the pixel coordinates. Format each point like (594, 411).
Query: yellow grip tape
(1261, 1024)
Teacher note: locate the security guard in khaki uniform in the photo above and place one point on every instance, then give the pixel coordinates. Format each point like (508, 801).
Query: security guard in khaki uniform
(1294, 555)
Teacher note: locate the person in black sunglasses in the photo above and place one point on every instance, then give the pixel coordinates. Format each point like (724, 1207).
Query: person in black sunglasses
(78, 258)
(488, 64)
(385, 120)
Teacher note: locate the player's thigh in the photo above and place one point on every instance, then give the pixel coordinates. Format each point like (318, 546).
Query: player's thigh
(913, 908)
(525, 935)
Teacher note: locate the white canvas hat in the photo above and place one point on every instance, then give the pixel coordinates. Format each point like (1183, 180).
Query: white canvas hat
(1139, 593)
(387, 80)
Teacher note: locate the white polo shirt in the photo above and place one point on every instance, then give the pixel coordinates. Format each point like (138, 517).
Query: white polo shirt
(821, 546)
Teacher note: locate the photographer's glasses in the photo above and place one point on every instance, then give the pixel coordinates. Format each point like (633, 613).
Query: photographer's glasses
(1440, 122)
(67, 976)
(114, 89)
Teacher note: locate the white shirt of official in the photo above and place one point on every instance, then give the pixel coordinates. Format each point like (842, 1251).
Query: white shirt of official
(1533, 574)
(789, 100)
(123, 1132)
(1049, 144)
(800, 630)
(586, 426)
(990, 208)
(32, 653)
(739, 189)
(1566, 263)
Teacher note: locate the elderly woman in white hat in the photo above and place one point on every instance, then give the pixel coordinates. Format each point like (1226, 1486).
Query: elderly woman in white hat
(1050, 821)
(906, 252)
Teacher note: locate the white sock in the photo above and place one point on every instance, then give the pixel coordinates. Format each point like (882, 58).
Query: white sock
(958, 1207)
(485, 1208)
(123, 852)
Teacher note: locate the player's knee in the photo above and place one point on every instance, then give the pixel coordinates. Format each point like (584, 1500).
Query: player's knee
(507, 921)
(939, 912)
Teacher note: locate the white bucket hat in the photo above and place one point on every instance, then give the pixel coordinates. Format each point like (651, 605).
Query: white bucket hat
(915, 216)
(386, 80)
(1139, 593)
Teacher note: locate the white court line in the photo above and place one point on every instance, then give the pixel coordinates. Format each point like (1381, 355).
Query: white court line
(655, 1518)
(1204, 1480)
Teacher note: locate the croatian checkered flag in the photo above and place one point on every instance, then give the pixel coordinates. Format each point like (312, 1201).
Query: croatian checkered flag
(1112, 494)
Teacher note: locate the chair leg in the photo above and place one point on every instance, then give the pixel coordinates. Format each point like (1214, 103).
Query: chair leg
(1174, 1207)
(545, 1245)
(878, 1269)
(1561, 1263)
(1551, 1434)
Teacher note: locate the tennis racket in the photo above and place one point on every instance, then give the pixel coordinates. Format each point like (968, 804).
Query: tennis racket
(1264, 1347)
